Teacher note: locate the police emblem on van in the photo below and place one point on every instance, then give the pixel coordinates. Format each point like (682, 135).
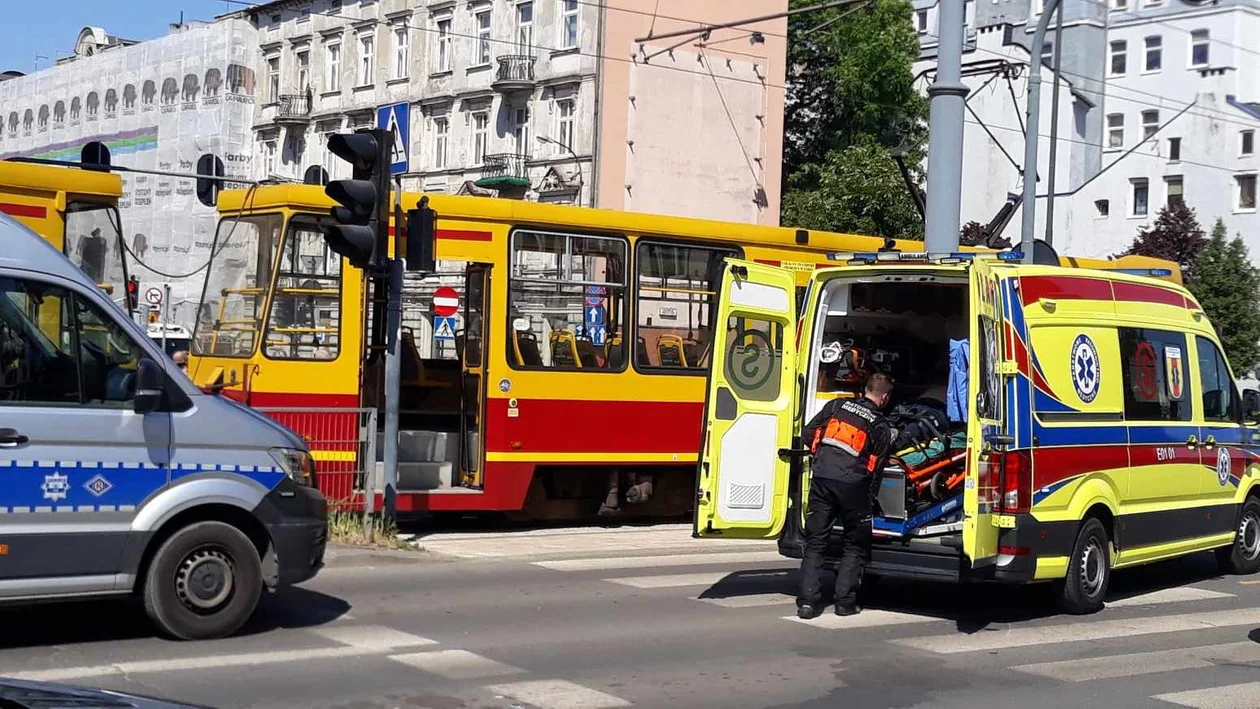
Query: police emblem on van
(98, 485)
(56, 486)
(1086, 369)
(1222, 467)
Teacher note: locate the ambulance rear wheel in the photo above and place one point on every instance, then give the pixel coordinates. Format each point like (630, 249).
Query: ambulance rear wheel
(1089, 571)
(1243, 556)
(204, 582)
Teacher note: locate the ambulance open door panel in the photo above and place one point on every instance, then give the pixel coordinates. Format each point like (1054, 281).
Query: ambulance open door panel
(745, 468)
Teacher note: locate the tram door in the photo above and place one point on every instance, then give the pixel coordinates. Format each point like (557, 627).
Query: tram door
(473, 374)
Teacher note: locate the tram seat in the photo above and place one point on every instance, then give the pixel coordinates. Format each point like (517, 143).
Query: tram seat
(586, 354)
(525, 349)
(564, 351)
(671, 350)
(641, 351)
(614, 356)
(413, 372)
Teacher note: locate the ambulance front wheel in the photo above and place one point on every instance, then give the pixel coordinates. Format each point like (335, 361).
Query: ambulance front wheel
(204, 582)
(1089, 571)
(1243, 556)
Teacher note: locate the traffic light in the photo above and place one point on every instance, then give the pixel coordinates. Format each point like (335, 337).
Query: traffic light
(133, 294)
(359, 229)
(421, 235)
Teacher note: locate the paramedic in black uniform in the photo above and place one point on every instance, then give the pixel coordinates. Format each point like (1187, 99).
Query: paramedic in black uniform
(849, 440)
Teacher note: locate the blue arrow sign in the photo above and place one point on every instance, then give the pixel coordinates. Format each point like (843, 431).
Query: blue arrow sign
(397, 117)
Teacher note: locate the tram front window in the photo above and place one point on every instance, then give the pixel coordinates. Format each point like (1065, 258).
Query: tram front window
(229, 319)
(93, 241)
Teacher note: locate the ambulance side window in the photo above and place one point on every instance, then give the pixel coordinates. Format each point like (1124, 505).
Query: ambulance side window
(1156, 375)
(754, 357)
(1220, 398)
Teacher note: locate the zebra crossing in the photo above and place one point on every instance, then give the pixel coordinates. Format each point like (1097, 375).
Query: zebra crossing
(760, 581)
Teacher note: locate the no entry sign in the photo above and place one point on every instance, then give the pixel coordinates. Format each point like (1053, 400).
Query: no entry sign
(445, 302)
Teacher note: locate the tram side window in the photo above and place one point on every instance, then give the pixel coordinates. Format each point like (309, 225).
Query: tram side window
(675, 304)
(229, 317)
(305, 320)
(566, 302)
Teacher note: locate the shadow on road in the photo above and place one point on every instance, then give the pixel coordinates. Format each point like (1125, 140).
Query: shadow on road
(108, 620)
(973, 607)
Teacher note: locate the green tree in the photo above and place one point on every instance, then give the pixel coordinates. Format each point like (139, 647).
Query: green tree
(1228, 288)
(850, 101)
(1175, 236)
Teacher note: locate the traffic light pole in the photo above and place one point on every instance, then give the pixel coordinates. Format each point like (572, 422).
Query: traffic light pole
(393, 359)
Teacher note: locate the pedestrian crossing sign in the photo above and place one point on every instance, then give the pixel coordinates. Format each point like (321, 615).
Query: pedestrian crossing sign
(444, 328)
(396, 119)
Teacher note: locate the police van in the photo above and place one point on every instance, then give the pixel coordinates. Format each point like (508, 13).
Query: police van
(1091, 420)
(118, 476)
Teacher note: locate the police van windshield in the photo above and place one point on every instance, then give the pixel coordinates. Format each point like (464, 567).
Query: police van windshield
(93, 241)
(229, 318)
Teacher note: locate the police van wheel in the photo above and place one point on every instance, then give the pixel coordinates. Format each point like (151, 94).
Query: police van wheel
(1089, 571)
(204, 582)
(1243, 556)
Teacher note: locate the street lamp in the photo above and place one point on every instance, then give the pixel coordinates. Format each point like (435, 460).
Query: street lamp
(576, 161)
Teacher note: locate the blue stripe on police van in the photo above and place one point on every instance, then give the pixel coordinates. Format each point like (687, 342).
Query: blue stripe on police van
(78, 487)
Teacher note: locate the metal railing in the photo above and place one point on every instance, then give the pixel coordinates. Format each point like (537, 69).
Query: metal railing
(343, 443)
(515, 69)
(294, 106)
(505, 165)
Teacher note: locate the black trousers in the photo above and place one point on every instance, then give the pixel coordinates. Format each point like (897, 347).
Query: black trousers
(850, 503)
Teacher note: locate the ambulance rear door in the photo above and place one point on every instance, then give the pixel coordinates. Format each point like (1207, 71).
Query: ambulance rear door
(749, 408)
(985, 427)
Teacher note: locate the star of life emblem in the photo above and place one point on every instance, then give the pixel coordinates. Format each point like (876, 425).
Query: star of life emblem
(56, 486)
(98, 485)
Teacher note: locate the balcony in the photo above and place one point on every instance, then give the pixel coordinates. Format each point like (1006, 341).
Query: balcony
(504, 172)
(294, 109)
(515, 74)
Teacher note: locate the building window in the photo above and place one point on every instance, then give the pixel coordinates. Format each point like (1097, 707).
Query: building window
(1200, 43)
(303, 70)
(1150, 124)
(1047, 52)
(675, 303)
(441, 131)
(1155, 369)
(1248, 146)
(1154, 53)
(332, 67)
(483, 37)
(1119, 5)
(1246, 193)
(481, 137)
(566, 302)
(1141, 197)
(921, 17)
(1102, 208)
(1174, 150)
(564, 124)
(1115, 131)
(525, 28)
(520, 130)
(269, 159)
(569, 24)
(1119, 57)
(1175, 187)
(402, 52)
(304, 15)
(443, 48)
(367, 54)
(1038, 7)
(334, 7)
(273, 79)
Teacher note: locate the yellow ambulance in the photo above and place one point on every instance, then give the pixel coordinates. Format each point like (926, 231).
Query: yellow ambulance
(1092, 421)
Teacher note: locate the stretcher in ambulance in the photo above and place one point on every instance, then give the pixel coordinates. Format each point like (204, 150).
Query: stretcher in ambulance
(1053, 424)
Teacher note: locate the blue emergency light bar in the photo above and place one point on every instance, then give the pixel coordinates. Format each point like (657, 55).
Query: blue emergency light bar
(872, 257)
(1154, 272)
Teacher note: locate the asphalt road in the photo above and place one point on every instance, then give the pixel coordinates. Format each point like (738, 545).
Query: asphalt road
(588, 619)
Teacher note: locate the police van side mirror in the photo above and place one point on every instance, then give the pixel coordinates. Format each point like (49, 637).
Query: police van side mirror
(150, 383)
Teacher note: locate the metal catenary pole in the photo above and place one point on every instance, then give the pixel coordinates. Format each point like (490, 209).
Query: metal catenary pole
(1054, 126)
(368, 434)
(945, 134)
(1029, 202)
(393, 362)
